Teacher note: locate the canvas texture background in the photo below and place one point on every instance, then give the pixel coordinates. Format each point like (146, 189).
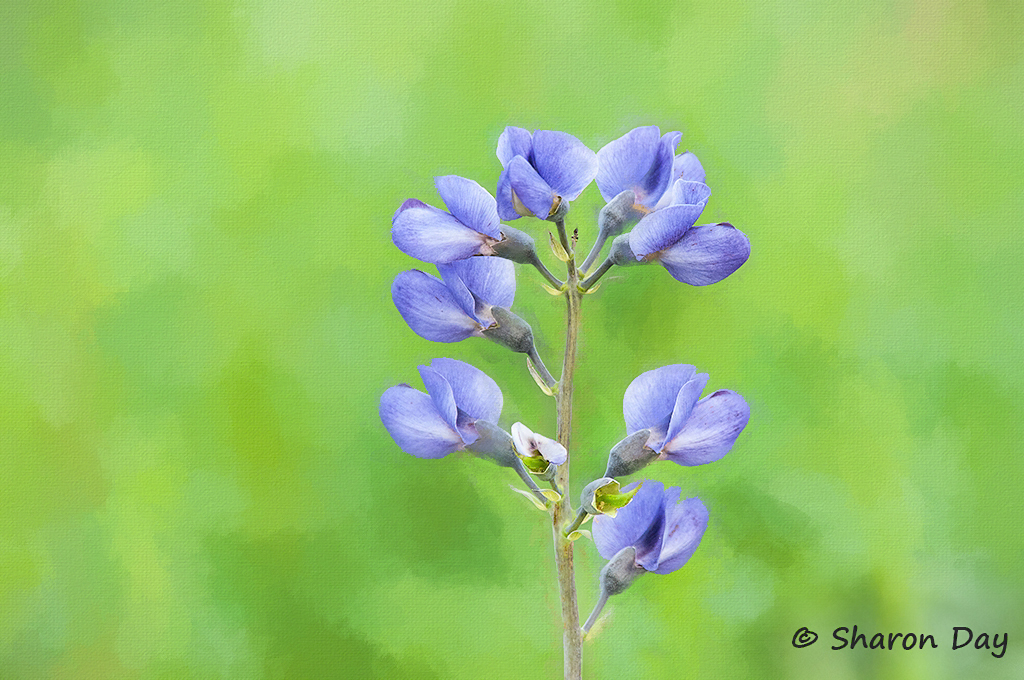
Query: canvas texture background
(196, 328)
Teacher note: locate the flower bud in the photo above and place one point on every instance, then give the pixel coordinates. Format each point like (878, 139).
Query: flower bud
(602, 497)
(510, 331)
(630, 454)
(540, 455)
(620, 253)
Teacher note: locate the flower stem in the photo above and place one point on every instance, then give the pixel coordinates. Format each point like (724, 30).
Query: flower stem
(545, 272)
(597, 612)
(592, 279)
(542, 370)
(572, 639)
(594, 251)
(528, 480)
(565, 243)
(581, 516)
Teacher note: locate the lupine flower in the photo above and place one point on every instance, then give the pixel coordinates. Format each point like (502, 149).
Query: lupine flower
(664, 532)
(684, 428)
(654, 533)
(643, 161)
(459, 304)
(540, 171)
(537, 447)
(445, 419)
(699, 255)
(470, 227)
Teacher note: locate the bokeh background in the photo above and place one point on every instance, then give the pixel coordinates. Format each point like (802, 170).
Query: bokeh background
(196, 327)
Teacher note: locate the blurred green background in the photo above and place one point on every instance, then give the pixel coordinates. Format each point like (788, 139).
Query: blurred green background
(196, 327)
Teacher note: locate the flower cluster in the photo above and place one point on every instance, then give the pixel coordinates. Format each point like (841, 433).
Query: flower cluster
(654, 198)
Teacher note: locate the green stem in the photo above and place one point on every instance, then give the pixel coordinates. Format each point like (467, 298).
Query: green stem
(565, 243)
(542, 370)
(572, 639)
(594, 251)
(528, 480)
(545, 272)
(592, 279)
(581, 516)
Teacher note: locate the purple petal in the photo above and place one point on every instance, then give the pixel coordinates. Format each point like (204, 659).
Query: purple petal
(670, 140)
(565, 163)
(426, 233)
(469, 203)
(686, 166)
(441, 394)
(685, 524)
(532, 190)
(514, 141)
(415, 425)
(711, 430)
(406, 204)
(651, 397)
(662, 228)
(685, 192)
(706, 254)
(612, 534)
(624, 162)
(457, 287)
(506, 208)
(430, 309)
(648, 546)
(492, 279)
(475, 392)
(656, 182)
(687, 398)
(688, 169)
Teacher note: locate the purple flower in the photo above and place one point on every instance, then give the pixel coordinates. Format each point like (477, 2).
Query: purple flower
(663, 531)
(683, 429)
(444, 420)
(540, 171)
(643, 161)
(654, 532)
(695, 255)
(687, 168)
(470, 227)
(459, 304)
